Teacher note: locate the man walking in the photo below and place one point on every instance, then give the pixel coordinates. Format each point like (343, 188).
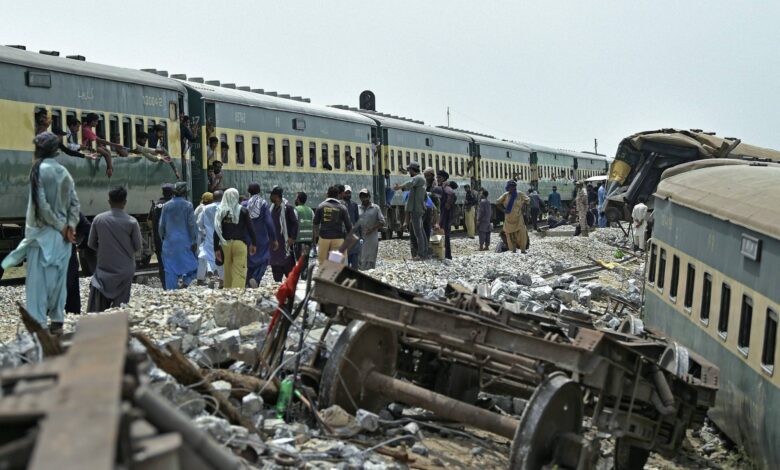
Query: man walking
(581, 201)
(639, 218)
(305, 225)
(260, 218)
(554, 199)
(179, 239)
(511, 203)
(116, 237)
(285, 232)
(484, 227)
(470, 206)
(446, 207)
(331, 224)
(536, 208)
(154, 215)
(354, 214)
(415, 207)
(207, 265)
(367, 227)
(50, 230)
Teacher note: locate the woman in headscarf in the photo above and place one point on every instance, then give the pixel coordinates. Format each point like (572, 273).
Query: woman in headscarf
(232, 231)
(511, 203)
(52, 216)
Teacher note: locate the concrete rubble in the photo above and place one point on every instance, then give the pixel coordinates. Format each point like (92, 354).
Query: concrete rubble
(225, 330)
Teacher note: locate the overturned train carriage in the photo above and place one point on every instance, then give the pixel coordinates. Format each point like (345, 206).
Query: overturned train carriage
(712, 285)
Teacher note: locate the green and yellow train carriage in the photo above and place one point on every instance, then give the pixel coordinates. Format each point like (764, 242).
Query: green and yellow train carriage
(126, 101)
(712, 285)
(499, 161)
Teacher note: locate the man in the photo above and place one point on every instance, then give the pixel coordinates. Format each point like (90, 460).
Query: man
(179, 239)
(639, 218)
(260, 219)
(470, 205)
(215, 176)
(431, 215)
(154, 155)
(88, 137)
(554, 219)
(189, 133)
(207, 266)
(389, 191)
(353, 259)
(331, 224)
(367, 227)
(154, 215)
(554, 199)
(157, 140)
(305, 225)
(601, 201)
(285, 232)
(446, 207)
(484, 226)
(511, 203)
(73, 297)
(211, 151)
(116, 237)
(415, 207)
(581, 201)
(50, 228)
(536, 208)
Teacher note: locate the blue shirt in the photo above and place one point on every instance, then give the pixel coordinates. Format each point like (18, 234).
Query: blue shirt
(178, 233)
(554, 200)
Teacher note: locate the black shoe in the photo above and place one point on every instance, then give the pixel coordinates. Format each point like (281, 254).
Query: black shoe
(55, 328)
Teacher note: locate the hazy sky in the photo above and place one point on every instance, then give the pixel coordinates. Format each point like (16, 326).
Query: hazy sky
(555, 73)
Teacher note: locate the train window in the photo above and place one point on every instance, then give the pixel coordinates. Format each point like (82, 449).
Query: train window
(349, 163)
(255, 150)
(449, 164)
(100, 130)
(653, 263)
(312, 155)
(745, 322)
(368, 159)
(675, 278)
(725, 306)
(408, 158)
(359, 158)
(770, 341)
(127, 132)
(150, 130)
(271, 151)
(299, 153)
(415, 159)
(400, 160)
(56, 121)
(113, 130)
(240, 149)
(325, 163)
(336, 156)
(165, 133)
(285, 152)
(661, 269)
(436, 161)
(689, 283)
(706, 296)
(139, 126)
(223, 149)
(392, 160)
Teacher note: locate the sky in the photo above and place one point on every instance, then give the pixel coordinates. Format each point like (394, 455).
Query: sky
(557, 73)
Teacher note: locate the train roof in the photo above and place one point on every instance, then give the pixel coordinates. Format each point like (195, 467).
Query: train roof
(708, 144)
(259, 100)
(413, 126)
(37, 60)
(570, 153)
(741, 192)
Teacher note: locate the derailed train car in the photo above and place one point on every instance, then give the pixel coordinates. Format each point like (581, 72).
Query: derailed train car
(712, 284)
(642, 158)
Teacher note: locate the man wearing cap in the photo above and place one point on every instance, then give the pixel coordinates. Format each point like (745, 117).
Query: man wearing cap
(511, 203)
(154, 215)
(470, 206)
(285, 221)
(207, 261)
(367, 228)
(415, 207)
(179, 239)
(50, 230)
(331, 224)
(554, 199)
(354, 214)
(446, 207)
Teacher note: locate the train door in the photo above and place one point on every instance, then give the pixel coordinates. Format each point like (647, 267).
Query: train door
(534, 177)
(474, 172)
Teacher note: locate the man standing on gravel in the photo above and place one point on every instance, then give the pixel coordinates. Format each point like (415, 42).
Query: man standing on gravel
(154, 215)
(207, 263)
(367, 227)
(179, 239)
(331, 224)
(260, 218)
(582, 209)
(116, 237)
(470, 205)
(511, 203)
(415, 207)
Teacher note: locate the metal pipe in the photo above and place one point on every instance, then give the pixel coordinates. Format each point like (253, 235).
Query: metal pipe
(442, 405)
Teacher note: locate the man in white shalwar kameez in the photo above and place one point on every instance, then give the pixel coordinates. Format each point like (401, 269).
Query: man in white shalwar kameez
(639, 217)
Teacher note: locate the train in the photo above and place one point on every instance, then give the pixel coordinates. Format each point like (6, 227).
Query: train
(711, 285)
(272, 138)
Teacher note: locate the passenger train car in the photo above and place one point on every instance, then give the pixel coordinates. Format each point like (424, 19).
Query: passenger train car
(712, 285)
(272, 139)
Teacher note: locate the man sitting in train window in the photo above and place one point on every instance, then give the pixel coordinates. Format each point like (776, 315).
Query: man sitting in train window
(141, 139)
(349, 162)
(117, 140)
(215, 176)
(211, 151)
(325, 164)
(71, 146)
(189, 132)
(42, 121)
(299, 155)
(88, 138)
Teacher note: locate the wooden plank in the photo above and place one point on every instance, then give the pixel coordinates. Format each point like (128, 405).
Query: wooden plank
(80, 429)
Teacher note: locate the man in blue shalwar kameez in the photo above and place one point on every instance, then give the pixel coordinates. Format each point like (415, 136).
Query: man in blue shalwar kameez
(260, 216)
(180, 238)
(50, 231)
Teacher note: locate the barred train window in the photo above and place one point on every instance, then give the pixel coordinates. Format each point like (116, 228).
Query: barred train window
(56, 121)
(661, 269)
(325, 163)
(358, 158)
(408, 158)
(675, 277)
(240, 149)
(770, 341)
(689, 283)
(255, 150)
(347, 157)
(653, 263)
(127, 133)
(223, 150)
(114, 135)
(336, 156)
(392, 160)
(725, 306)
(368, 159)
(706, 296)
(271, 151)
(745, 322)
(312, 155)
(400, 159)
(285, 152)
(299, 153)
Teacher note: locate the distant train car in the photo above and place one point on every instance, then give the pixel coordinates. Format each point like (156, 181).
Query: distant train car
(712, 285)
(499, 161)
(552, 167)
(127, 102)
(294, 144)
(641, 158)
(588, 165)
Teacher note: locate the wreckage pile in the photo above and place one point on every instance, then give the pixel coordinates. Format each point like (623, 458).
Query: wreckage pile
(219, 338)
